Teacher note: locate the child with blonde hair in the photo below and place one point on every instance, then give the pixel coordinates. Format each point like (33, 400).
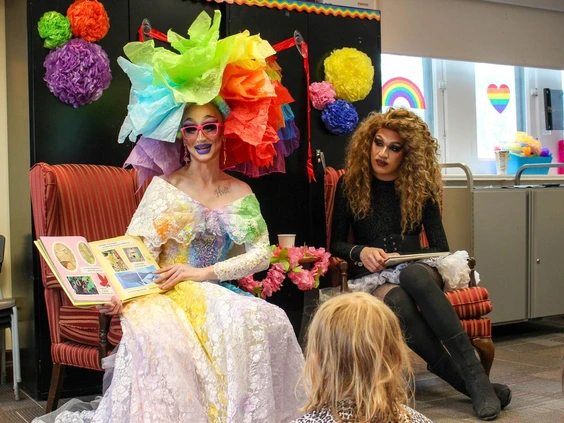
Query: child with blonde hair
(357, 366)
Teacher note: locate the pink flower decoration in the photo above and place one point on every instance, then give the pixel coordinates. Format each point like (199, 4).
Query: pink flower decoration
(273, 280)
(294, 255)
(303, 279)
(321, 94)
(248, 283)
(323, 257)
(288, 258)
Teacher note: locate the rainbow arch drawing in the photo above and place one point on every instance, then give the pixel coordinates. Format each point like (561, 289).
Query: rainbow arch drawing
(400, 87)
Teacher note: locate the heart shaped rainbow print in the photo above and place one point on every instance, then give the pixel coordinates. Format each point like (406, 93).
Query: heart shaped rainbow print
(499, 97)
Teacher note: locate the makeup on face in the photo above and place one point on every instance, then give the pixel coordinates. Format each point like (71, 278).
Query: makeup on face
(209, 130)
(387, 153)
(393, 146)
(201, 129)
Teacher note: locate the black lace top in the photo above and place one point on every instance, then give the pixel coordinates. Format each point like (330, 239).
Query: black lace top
(381, 228)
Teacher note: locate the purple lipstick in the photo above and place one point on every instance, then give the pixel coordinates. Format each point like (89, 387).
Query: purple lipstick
(203, 148)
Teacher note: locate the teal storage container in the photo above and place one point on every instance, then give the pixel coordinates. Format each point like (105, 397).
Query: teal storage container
(515, 162)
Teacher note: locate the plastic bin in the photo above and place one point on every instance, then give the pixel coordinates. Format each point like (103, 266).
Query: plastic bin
(560, 170)
(515, 162)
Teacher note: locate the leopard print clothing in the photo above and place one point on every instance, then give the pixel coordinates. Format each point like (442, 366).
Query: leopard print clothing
(347, 411)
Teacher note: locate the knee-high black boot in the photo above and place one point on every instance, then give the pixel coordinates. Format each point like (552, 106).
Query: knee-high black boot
(448, 370)
(485, 403)
(423, 341)
(417, 281)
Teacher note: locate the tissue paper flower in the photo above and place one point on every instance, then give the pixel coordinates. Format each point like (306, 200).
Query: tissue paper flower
(340, 117)
(78, 72)
(321, 94)
(88, 19)
(351, 73)
(55, 28)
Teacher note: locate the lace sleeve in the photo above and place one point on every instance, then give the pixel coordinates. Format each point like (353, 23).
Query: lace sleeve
(246, 226)
(255, 259)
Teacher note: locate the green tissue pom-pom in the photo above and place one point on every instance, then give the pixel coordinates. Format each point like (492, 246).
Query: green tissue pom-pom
(55, 28)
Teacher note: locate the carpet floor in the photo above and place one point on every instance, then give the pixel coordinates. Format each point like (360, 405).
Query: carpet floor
(528, 358)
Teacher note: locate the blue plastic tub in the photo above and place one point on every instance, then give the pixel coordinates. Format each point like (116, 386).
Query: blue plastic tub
(515, 162)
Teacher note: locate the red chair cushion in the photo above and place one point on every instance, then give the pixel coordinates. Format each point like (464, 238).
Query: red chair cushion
(470, 302)
(477, 328)
(72, 354)
(81, 325)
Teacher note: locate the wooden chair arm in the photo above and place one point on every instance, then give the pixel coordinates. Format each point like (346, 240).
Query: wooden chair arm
(344, 270)
(342, 267)
(103, 344)
(472, 265)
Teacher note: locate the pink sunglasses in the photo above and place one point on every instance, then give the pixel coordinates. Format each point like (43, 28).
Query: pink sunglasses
(190, 132)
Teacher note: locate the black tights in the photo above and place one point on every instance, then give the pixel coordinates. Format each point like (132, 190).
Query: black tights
(426, 315)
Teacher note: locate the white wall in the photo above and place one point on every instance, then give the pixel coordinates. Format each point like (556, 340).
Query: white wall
(475, 31)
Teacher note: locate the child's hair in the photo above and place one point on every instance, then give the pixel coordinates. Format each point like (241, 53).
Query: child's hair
(356, 351)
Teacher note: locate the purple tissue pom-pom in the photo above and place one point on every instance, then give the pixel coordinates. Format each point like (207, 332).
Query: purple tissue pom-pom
(77, 72)
(340, 117)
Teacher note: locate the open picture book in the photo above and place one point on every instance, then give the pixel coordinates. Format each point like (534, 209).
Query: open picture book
(392, 261)
(92, 272)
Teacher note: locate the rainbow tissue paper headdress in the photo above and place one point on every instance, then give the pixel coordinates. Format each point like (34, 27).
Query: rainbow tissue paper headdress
(237, 73)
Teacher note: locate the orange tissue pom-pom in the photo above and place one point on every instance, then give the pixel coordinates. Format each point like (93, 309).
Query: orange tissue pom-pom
(89, 20)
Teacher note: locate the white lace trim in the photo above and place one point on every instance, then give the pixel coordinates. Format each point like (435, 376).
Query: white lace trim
(452, 268)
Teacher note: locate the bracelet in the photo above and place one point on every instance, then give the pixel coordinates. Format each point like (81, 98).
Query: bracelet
(350, 252)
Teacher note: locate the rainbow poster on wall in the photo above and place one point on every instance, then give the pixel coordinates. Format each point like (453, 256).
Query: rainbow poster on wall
(499, 97)
(399, 87)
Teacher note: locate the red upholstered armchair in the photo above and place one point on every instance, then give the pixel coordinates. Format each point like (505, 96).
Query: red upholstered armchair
(470, 304)
(96, 202)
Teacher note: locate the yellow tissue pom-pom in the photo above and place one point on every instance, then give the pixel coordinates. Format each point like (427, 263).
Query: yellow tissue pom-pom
(351, 73)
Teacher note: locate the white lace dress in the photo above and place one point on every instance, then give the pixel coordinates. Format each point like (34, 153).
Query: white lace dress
(201, 352)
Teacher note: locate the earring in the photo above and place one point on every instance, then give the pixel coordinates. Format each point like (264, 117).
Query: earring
(224, 152)
(186, 156)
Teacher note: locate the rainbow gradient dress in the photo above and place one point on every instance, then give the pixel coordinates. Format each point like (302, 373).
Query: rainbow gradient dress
(201, 352)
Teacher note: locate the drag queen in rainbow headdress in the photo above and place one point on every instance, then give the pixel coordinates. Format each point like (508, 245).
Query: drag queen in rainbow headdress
(202, 351)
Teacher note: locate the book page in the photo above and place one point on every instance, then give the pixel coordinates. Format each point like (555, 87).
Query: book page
(77, 269)
(129, 265)
(392, 261)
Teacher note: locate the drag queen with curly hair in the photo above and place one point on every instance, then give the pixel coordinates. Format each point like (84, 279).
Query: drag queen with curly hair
(391, 190)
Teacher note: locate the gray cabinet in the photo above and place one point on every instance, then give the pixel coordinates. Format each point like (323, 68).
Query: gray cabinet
(546, 207)
(500, 249)
(516, 236)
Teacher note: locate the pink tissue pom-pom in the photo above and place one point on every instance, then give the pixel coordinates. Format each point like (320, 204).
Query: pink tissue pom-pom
(321, 94)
